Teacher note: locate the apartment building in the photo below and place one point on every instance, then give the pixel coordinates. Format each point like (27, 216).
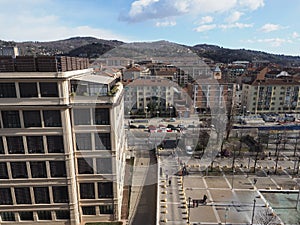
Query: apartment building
(62, 148)
(279, 95)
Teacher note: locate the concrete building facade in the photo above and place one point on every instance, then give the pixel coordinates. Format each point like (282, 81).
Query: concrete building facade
(61, 159)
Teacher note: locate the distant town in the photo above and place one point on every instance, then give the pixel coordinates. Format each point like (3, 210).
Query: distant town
(148, 133)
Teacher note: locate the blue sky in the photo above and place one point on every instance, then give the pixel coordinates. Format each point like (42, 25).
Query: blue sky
(265, 25)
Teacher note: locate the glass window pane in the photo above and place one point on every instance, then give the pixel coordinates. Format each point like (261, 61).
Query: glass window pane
(85, 166)
(82, 117)
(58, 169)
(62, 215)
(1, 146)
(11, 119)
(15, 145)
(87, 191)
(8, 216)
(102, 141)
(104, 165)
(38, 169)
(5, 196)
(23, 195)
(88, 210)
(106, 209)
(32, 118)
(49, 89)
(7, 90)
(18, 170)
(28, 90)
(52, 118)
(3, 171)
(60, 194)
(35, 144)
(83, 142)
(101, 116)
(55, 144)
(26, 215)
(105, 189)
(44, 215)
(41, 195)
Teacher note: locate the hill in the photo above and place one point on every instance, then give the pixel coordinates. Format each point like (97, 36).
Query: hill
(93, 47)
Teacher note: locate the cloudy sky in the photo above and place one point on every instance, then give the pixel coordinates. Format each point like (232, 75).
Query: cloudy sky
(265, 25)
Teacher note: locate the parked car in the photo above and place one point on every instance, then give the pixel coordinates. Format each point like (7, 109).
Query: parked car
(142, 127)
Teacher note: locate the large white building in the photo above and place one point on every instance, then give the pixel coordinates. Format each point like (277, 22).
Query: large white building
(62, 148)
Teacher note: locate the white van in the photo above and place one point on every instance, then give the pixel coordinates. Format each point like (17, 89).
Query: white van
(188, 150)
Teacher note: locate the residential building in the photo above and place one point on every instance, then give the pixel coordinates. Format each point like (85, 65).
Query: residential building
(279, 95)
(61, 159)
(9, 51)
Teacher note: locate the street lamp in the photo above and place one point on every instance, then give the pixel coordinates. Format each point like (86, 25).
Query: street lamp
(170, 110)
(253, 211)
(189, 208)
(146, 111)
(157, 113)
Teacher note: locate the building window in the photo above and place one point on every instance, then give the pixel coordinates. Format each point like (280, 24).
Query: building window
(48, 89)
(26, 215)
(19, 169)
(82, 117)
(85, 166)
(1, 146)
(23, 195)
(41, 195)
(60, 194)
(58, 169)
(83, 142)
(28, 90)
(101, 116)
(35, 144)
(11, 119)
(32, 118)
(102, 141)
(55, 144)
(105, 189)
(88, 210)
(15, 145)
(62, 215)
(52, 118)
(87, 191)
(7, 90)
(104, 165)
(3, 171)
(38, 169)
(8, 216)
(106, 209)
(44, 215)
(5, 196)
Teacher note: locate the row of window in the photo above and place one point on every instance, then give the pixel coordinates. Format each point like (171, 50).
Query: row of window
(29, 215)
(88, 190)
(96, 141)
(40, 195)
(36, 169)
(31, 118)
(92, 210)
(28, 89)
(87, 166)
(32, 144)
(97, 116)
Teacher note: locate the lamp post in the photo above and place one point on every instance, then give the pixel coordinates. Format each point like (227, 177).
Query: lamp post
(253, 211)
(170, 110)
(157, 113)
(146, 111)
(189, 208)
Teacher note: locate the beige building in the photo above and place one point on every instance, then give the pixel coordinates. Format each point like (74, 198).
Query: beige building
(278, 95)
(61, 159)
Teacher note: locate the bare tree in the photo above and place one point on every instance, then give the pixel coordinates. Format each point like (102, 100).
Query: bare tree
(266, 217)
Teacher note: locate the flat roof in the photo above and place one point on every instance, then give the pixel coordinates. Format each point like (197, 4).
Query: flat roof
(95, 79)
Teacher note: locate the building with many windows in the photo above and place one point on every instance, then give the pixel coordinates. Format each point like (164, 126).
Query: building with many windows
(61, 159)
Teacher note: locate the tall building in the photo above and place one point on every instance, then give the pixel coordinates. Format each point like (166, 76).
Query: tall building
(62, 147)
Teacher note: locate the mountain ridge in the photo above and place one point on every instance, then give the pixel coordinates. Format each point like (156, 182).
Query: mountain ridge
(92, 47)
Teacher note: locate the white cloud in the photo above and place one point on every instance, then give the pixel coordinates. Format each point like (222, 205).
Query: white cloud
(235, 25)
(206, 27)
(252, 4)
(295, 35)
(206, 19)
(273, 42)
(142, 10)
(269, 27)
(234, 17)
(165, 24)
